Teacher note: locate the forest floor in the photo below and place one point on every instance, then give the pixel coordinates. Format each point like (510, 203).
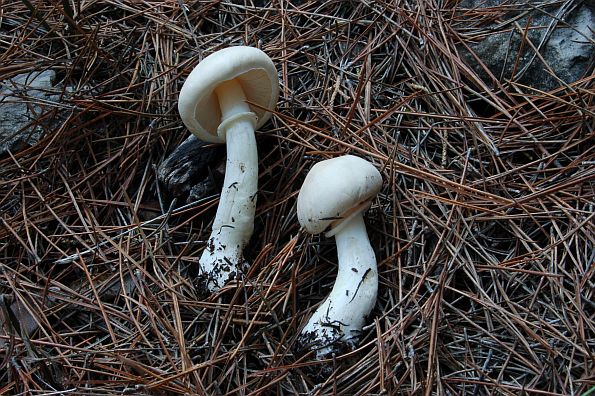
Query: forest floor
(483, 229)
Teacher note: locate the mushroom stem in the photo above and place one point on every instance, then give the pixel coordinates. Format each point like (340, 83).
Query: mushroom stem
(234, 221)
(340, 318)
(232, 100)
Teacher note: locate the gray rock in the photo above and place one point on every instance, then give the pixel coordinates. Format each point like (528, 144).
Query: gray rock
(561, 31)
(23, 100)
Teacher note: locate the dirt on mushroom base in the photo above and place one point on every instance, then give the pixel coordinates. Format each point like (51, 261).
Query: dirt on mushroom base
(482, 231)
(222, 271)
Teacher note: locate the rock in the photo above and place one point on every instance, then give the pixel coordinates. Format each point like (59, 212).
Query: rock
(189, 173)
(561, 31)
(15, 318)
(23, 100)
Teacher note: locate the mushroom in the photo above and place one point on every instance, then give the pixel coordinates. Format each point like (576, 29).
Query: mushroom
(332, 199)
(225, 99)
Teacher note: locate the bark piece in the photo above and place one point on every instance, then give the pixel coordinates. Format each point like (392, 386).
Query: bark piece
(190, 172)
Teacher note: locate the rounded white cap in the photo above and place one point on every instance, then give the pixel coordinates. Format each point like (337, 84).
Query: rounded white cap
(253, 69)
(334, 190)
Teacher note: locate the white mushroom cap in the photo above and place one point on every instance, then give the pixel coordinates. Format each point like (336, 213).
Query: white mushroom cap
(335, 190)
(198, 104)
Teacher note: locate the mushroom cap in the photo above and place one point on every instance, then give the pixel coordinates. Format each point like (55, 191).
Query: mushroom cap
(198, 104)
(334, 190)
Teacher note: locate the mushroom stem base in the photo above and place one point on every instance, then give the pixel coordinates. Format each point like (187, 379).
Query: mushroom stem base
(338, 321)
(222, 258)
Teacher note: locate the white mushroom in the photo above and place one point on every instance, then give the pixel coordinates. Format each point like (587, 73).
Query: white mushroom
(333, 198)
(224, 99)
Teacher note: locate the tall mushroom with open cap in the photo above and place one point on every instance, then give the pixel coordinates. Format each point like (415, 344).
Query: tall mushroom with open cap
(224, 99)
(332, 199)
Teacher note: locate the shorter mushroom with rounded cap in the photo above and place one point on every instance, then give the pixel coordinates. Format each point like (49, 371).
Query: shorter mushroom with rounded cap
(224, 99)
(332, 199)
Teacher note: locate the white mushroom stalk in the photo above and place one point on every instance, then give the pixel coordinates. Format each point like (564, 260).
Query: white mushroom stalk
(234, 221)
(342, 315)
(214, 104)
(338, 204)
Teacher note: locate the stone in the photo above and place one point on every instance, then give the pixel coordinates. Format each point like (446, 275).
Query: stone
(23, 100)
(561, 31)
